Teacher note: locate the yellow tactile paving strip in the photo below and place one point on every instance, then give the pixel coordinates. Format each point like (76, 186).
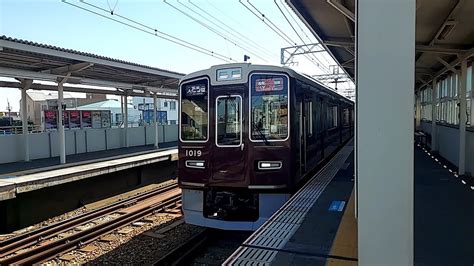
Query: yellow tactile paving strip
(345, 243)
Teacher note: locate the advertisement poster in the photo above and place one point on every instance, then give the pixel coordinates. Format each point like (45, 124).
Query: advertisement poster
(96, 119)
(106, 119)
(147, 116)
(50, 120)
(86, 119)
(66, 119)
(74, 119)
(161, 117)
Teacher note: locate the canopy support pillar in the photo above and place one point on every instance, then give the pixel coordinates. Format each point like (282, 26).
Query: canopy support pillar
(25, 85)
(155, 120)
(385, 147)
(462, 118)
(434, 133)
(61, 135)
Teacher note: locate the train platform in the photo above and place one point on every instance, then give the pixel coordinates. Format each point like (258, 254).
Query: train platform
(444, 213)
(302, 232)
(317, 226)
(24, 177)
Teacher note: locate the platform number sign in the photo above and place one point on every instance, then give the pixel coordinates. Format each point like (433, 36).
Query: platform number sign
(193, 153)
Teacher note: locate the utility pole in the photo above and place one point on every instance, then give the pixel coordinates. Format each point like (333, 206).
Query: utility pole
(9, 109)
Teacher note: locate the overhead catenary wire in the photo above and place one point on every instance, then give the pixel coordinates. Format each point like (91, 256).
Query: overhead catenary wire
(291, 14)
(283, 35)
(230, 18)
(250, 41)
(295, 20)
(271, 22)
(205, 25)
(297, 23)
(155, 32)
(264, 19)
(309, 57)
(289, 23)
(266, 23)
(112, 9)
(321, 65)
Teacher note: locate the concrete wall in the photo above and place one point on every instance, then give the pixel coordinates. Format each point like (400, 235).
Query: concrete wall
(46, 144)
(448, 144)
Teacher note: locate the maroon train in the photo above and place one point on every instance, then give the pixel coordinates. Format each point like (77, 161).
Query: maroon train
(248, 134)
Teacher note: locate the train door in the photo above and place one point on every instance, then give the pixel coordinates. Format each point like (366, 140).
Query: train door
(304, 126)
(228, 160)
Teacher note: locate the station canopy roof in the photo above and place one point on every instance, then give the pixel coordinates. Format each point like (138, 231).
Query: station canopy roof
(29, 60)
(444, 33)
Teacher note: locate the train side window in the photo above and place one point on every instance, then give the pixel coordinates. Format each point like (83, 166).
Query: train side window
(332, 117)
(346, 118)
(309, 115)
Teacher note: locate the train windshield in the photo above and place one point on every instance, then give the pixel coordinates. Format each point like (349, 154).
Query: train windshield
(194, 111)
(269, 107)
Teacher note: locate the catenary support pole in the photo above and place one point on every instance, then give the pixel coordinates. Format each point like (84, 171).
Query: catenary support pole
(462, 118)
(385, 149)
(25, 85)
(121, 109)
(434, 133)
(155, 119)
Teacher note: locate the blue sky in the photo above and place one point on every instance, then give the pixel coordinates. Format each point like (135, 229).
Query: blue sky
(57, 23)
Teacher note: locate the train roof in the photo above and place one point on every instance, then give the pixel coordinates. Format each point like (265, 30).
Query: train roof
(248, 68)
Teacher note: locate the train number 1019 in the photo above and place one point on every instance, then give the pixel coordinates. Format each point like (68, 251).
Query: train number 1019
(193, 153)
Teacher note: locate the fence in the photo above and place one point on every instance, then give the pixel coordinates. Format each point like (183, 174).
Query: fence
(448, 143)
(46, 144)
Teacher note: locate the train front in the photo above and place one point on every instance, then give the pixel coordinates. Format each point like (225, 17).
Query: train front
(234, 146)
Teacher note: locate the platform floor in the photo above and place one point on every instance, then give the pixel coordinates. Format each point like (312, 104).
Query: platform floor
(444, 223)
(315, 238)
(444, 215)
(14, 183)
(8, 168)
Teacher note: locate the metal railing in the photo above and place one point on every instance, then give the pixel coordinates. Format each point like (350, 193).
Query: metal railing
(15, 130)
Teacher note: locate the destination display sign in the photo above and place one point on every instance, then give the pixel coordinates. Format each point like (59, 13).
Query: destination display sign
(273, 84)
(196, 90)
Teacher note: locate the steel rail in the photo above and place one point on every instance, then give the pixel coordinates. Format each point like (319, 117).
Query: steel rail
(16, 243)
(52, 249)
(184, 252)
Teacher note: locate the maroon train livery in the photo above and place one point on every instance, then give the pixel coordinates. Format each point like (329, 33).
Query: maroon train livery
(248, 135)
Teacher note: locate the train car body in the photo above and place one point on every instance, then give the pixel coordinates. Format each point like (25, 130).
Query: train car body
(248, 135)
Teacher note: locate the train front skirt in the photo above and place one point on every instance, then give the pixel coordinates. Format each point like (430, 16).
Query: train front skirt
(193, 208)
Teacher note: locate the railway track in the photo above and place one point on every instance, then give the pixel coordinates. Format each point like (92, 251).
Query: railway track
(50, 241)
(183, 253)
(207, 247)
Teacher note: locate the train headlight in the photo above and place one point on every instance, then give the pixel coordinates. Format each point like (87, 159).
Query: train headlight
(195, 164)
(269, 165)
